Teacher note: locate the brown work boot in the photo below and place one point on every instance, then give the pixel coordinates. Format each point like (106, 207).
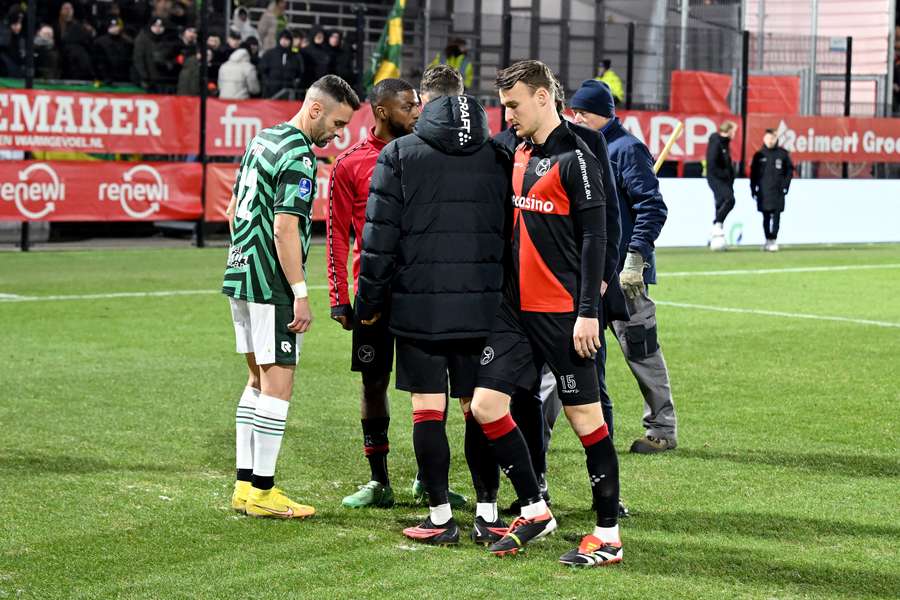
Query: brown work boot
(652, 445)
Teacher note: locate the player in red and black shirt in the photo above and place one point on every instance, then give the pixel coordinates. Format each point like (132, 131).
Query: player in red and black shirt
(396, 107)
(549, 314)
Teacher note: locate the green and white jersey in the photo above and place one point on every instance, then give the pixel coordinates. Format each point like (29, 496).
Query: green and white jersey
(277, 175)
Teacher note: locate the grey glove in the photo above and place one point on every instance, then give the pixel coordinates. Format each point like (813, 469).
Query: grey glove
(632, 275)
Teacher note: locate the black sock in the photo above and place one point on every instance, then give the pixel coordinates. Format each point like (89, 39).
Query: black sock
(245, 475)
(603, 470)
(480, 458)
(511, 453)
(432, 454)
(263, 483)
(528, 414)
(376, 447)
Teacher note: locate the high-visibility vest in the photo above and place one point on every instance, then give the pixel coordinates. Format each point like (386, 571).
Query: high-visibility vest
(461, 63)
(614, 82)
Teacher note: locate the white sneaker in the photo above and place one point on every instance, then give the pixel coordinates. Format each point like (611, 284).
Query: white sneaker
(773, 247)
(717, 243)
(767, 247)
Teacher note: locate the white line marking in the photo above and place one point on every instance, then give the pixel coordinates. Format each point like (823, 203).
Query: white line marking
(114, 295)
(775, 313)
(784, 270)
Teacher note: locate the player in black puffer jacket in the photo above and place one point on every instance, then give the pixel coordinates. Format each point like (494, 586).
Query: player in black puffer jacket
(433, 248)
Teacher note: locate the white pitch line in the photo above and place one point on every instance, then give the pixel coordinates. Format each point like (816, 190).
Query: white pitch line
(114, 295)
(663, 274)
(776, 313)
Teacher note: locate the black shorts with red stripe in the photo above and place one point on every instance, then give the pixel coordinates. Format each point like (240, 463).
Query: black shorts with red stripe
(522, 342)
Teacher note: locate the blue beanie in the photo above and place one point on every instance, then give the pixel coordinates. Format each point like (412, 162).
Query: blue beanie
(595, 97)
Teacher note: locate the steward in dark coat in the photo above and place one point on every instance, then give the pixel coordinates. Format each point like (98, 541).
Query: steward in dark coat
(770, 178)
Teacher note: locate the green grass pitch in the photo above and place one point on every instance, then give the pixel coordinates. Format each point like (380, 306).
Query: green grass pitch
(116, 444)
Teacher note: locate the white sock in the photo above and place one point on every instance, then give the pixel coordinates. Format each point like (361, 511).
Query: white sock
(440, 514)
(534, 510)
(609, 535)
(268, 429)
(243, 428)
(486, 510)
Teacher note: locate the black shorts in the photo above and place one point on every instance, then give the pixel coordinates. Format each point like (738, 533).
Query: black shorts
(373, 347)
(521, 343)
(424, 367)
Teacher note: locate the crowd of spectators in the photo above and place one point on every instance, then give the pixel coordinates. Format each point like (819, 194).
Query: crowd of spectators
(153, 44)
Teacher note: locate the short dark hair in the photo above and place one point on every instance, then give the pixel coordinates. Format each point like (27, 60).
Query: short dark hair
(532, 73)
(442, 80)
(336, 88)
(388, 88)
(772, 131)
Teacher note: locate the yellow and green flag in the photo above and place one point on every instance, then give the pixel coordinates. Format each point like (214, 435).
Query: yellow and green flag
(386, 57)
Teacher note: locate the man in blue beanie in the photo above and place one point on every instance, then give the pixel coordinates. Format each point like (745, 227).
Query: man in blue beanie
(643, 214)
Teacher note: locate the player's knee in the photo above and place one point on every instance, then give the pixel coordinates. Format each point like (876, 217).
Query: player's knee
(585, 418)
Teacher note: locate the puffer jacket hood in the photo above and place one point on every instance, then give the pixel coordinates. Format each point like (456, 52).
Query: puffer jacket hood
(239, 56)
(454, 125)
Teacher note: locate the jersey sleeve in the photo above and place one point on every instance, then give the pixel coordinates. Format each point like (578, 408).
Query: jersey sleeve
(295, 184)
(580, 174)
(337, 234)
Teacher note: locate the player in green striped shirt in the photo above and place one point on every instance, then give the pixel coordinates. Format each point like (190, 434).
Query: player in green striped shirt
(270, 216)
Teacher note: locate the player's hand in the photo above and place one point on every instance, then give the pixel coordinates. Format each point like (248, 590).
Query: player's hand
(345, 321)
(586, 336)
(632, 276)
(302, 316)
(373, 320)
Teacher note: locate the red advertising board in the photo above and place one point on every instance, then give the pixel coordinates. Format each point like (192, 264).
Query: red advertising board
(654, 129)
(829, 139)
(99, 123)
(220, 181)
(99, 191)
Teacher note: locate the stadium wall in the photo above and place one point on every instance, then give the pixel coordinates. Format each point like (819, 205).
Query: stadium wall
(818, 211)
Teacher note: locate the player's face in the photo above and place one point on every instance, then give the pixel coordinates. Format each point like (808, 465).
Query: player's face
(769, 140)
(330, 122)
(589, 119)
(523, 108)
(401, 112)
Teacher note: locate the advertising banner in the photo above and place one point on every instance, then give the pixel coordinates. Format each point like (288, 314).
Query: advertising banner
(99, 191)
(829, 139)
(98, 123)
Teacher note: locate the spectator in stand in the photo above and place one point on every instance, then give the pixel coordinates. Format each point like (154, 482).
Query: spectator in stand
(186, 46)
(316, 58)
(233, 42)
(271, 22)
(154, 60)
(457, 56)
(251, 45)
(237, 77)
(189, 77)
(162, 9)
(181, 14)
(612, 79)
(66, 16)
(240, 22)
(12, 45)
(281, 67)
(301, 40)
(113, 54)
(46, 56)
(341, 58)
(214, 44)
(77, 44)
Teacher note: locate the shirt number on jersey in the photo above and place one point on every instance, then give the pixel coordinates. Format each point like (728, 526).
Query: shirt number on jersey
(248, 189)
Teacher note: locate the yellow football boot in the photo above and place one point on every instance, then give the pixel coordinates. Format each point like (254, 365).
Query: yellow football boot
(274, 504)
(239, 497)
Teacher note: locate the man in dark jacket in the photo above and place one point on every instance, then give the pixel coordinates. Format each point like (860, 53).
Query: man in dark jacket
(77, 43)
(341, 57)
(433, 247)
(281, 67)
(112, 54)
(720, 177)
(154, 60)
(12, 45)
(770, 180)
(316, 57)
(643, 215)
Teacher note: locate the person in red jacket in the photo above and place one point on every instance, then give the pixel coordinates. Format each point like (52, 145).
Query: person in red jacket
(395, 104)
